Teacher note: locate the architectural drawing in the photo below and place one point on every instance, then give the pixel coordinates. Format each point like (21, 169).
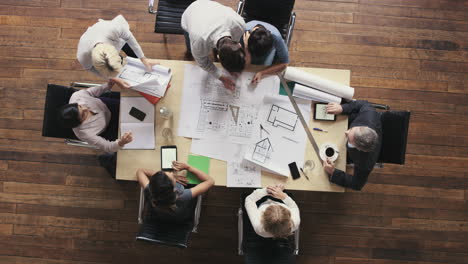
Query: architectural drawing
(226, 119)
(262, 150)
(214, 88)
(241, 173)
(281, 117)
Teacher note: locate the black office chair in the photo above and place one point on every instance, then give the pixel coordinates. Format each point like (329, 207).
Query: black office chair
(163, 232)
(257, 249)
(395, 126)
(168, 15)
(279, 13)
(56, 97)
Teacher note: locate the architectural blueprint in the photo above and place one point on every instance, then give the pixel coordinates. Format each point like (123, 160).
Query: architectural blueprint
(282, 139)
(210, 111)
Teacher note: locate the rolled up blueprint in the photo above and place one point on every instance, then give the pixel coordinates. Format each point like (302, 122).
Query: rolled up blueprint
(319, 83)
(308, 93)
(156, 68)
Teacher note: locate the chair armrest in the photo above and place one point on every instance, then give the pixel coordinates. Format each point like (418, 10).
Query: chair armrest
(196, 217)
(240, 232)
(82, 85)
(296, 241)
(141, 205)
(150, 7)
(240, 7)
(78, 143)
(292, 22)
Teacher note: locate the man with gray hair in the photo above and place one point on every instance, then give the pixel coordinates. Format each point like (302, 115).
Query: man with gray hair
(363, 146)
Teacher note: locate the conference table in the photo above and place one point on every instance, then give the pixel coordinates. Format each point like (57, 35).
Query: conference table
(128, 161)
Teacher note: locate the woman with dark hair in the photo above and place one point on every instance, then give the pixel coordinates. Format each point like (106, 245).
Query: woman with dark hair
(165, 189)
(90, 115)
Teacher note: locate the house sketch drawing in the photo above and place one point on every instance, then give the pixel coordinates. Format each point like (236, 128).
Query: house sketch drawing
(262, 150)
(281, 117)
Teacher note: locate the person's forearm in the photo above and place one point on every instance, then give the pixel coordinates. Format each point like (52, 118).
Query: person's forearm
(202, 176)
(274, 68)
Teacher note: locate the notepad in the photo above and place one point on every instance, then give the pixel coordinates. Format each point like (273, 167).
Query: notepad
(200, 162)
(143, 131)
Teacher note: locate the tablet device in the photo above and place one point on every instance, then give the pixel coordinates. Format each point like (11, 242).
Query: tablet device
(320, 113)
(168, 155)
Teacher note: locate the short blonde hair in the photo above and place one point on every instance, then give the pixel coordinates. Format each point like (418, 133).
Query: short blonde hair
(277, 221)
(106, 60)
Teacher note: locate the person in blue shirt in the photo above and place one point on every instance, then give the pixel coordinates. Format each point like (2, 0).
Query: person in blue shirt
(264, 45)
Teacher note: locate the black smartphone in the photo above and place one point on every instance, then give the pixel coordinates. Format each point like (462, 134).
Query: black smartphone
(138, 114)
(168, 155)
(294, 170)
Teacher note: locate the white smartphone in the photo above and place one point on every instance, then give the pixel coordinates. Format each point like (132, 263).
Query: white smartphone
(168, 155)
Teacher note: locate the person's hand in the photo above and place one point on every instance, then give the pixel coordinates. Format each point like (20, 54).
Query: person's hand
(334, 108)
(121, 83)
(125, 139)
(257, 77)
(149, 63)
(178, 166)
(181, 179)
(228, 83)
(246, 39)
(328, 166)
(276, 191)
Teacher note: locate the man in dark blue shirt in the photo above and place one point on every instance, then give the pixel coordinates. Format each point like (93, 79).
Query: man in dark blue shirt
(363, 146)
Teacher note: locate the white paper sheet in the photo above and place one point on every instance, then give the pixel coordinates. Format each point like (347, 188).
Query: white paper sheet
(152, 83)
(143, 131)
(210, 111)
(319, 83)
(312, 94)
(282, 139)
(221, 150)
(242, 173)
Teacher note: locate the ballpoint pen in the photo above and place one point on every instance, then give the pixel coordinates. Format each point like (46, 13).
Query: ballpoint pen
(305, 174)
(319, 129)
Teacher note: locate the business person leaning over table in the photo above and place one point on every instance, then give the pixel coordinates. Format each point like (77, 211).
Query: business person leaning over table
(363, 146)
(99, 47)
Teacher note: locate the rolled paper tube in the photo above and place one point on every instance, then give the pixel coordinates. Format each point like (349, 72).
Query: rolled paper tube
(309, 93)
(155, 68)
(319, 83)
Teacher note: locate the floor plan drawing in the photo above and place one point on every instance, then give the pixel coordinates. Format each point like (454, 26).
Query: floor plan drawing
(226, 119)
(214, 88)
(262, 151)
(281, 117)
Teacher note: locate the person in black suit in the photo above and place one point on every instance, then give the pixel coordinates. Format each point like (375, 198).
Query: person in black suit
(363, 146)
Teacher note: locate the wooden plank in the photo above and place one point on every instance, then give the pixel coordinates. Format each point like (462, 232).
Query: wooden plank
(50, 231)
(399, 84)
(444, 66)
(6, 229)
(413, 191)
(16, 259)
(59, 190)
(61, 200)
(32, 177)
(49, 157)
(411, 12)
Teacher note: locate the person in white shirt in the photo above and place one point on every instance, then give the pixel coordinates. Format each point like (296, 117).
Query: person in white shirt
(89, 115)
(277, 216)
(209, 25)
(99, 47)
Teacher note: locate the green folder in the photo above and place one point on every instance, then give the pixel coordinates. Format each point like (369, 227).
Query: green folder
(291, 87)
(200, 162)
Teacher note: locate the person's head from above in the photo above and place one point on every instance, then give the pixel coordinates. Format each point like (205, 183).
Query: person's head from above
(231, 55)
(107, 60)
(277, 221)
(260, 41)
(71, 115)
(362, 137)
(162, 188)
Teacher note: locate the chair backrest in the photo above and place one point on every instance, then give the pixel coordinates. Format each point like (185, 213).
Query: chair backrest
(56, 97)
(167, 232)
(169, 14)
(275, 12)
(258, 249)
(395, 126)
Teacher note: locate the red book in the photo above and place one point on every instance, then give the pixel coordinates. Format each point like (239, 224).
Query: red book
(151, 98)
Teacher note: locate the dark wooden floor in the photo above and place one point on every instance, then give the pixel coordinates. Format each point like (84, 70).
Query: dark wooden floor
(58, 206)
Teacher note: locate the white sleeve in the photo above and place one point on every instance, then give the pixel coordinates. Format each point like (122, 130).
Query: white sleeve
(97, 90)
(122, 29)
(253, 212)
(201, 54)
(295, 216)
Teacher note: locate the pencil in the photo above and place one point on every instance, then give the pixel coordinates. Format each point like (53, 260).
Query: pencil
(305, 174)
